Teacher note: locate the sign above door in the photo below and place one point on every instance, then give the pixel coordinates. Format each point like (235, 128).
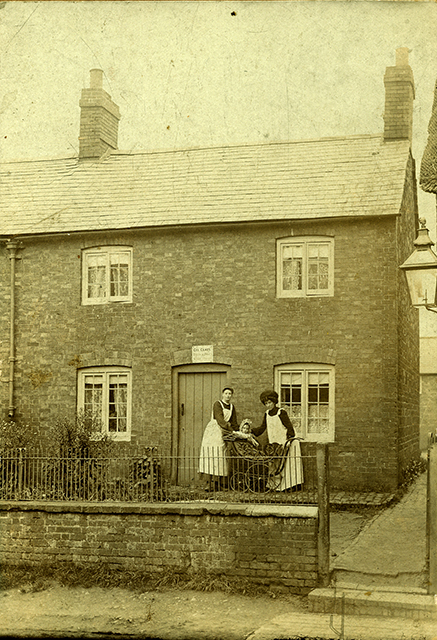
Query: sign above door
(202, 353)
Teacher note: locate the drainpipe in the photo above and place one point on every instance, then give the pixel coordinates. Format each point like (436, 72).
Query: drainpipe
(12, 246)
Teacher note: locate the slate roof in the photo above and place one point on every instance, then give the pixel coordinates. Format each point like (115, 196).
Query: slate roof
(428, 167)
(331, 177)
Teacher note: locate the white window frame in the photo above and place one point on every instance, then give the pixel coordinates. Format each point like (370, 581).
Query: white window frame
(304, 244)
(103, 256)
(104, 375)
(305, 369)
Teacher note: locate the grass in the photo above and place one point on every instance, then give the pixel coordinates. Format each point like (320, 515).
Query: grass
(32, 578)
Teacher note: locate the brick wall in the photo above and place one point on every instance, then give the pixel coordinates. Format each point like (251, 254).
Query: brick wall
(216, 285)
(408, 334)
(268, 544)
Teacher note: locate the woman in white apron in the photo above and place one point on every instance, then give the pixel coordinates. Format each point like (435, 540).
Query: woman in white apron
(280, 431)
(212, 457)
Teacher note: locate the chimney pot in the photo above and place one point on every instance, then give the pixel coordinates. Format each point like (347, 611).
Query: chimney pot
(96, 79)
(402, 57)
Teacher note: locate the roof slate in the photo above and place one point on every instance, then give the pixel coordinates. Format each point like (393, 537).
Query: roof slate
(331, 177)
(428, 167)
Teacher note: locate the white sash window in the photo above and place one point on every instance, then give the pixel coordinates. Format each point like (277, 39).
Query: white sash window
(104, 393)
(305, 267)
(306, 392)
(106, 275)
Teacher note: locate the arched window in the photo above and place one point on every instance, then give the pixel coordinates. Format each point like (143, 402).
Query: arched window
(306, 391)
(104, 393)
(106, 275)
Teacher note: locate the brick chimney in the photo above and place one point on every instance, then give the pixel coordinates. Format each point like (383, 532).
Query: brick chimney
(399, 96)
(428, 166)
(99, 117)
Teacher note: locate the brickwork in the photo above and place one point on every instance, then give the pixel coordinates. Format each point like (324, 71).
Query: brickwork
(260, 543)
(399, 96)
(99, 118)
(216, 286)
(408, 334)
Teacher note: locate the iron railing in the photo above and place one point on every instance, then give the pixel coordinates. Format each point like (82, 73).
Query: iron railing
(149, 476)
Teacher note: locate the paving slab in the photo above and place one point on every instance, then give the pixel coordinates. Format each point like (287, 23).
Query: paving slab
(392, 544)
(318, 626)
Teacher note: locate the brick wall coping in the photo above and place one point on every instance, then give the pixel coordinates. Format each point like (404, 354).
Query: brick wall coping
(160, 508)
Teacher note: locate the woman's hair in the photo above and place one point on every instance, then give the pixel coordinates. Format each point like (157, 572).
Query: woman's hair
(227, 388)
(269, 394)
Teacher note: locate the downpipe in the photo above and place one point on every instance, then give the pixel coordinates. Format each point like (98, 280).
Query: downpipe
(12, 246)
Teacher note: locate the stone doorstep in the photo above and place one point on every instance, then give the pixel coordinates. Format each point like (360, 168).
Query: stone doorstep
(407, 581)
(387, 602)
(368, 499)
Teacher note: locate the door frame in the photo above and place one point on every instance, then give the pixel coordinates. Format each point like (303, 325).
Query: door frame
(210, 367)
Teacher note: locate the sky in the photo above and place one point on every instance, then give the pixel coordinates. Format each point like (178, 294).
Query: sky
(194, 74)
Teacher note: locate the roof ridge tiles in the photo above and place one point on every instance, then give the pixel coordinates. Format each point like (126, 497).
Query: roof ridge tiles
(123, 153)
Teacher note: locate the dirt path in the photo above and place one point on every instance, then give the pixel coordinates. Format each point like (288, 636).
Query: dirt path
(173, 614)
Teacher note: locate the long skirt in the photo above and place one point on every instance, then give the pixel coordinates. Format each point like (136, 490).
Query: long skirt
(291, 473)
(212, 457)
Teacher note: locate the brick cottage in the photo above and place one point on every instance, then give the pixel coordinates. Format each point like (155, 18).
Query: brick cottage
(138, 283)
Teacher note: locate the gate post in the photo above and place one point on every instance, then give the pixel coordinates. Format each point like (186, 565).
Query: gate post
(431, 515)
(20, 473)
(323, 545)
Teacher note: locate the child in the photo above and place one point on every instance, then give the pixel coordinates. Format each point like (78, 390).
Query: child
(245, 432)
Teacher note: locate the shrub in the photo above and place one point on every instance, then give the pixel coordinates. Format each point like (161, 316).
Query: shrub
(81, 435)
(78, 461)
(16, 435)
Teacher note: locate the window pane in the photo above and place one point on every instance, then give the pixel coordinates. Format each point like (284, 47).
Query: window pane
(96, 281)
(313, 394)
(93, 396)
(117, 403)
(296, 402)
(292, 274)
(323, 275)
(290, 395)
(296, 418)
(290, 251)
(119, 274)
(296, 395)
(292, 267)
(318, 266)
(285, 396)
(318, 402)
(318, 250)
(324, 393)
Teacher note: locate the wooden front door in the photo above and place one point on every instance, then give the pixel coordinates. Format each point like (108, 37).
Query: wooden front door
(197, 392)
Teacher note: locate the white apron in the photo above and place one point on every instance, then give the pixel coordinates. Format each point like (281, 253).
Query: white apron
(292, 471)
(212, 457)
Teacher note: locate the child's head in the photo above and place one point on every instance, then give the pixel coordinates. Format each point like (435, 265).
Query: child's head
(245, 426)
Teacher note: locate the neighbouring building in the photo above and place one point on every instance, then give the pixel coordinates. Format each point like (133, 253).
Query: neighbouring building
(428, 342)
(137, 284)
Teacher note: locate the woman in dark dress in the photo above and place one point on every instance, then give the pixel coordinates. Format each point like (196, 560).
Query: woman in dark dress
(280, 431)
(212, 458)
